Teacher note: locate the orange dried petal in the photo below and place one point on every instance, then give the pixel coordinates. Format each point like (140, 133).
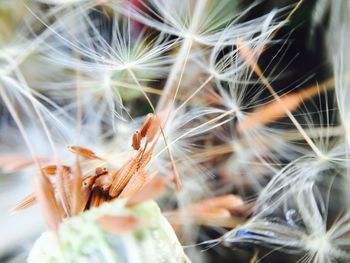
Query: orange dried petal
(151, 190)
(138, 180)
(52, 169)
(118, 224)
(153, 129)
(84, 152)
(45, 195)
(27, 202)
(123, 177)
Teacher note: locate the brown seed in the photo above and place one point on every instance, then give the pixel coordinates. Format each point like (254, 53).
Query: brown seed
(146, 125)
(88, 181)
(101, 171)
(136, 140)
(103, 182)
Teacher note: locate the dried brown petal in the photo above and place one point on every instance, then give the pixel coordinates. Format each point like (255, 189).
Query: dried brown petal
(138, 180)
(123, 177)
(96, 196)
(210, 213)
(229, 222)
(115, 174)
(85, 197)
(8, 158)
(118, 224)
(207, 210)
(153, 129)
(52, 169)
(273, 110)
(14, 162)
(84, 152)
(46, 198)
(145, 158)
(282, 106)
(212, 98)
(151, 190)
(27, 202)
(229, 202)
(77, 190)
(63, 189)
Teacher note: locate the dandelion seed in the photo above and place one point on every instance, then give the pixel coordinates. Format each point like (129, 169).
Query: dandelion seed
(308, 233)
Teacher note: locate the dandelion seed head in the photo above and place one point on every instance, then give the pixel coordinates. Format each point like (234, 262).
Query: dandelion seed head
(104, 64)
